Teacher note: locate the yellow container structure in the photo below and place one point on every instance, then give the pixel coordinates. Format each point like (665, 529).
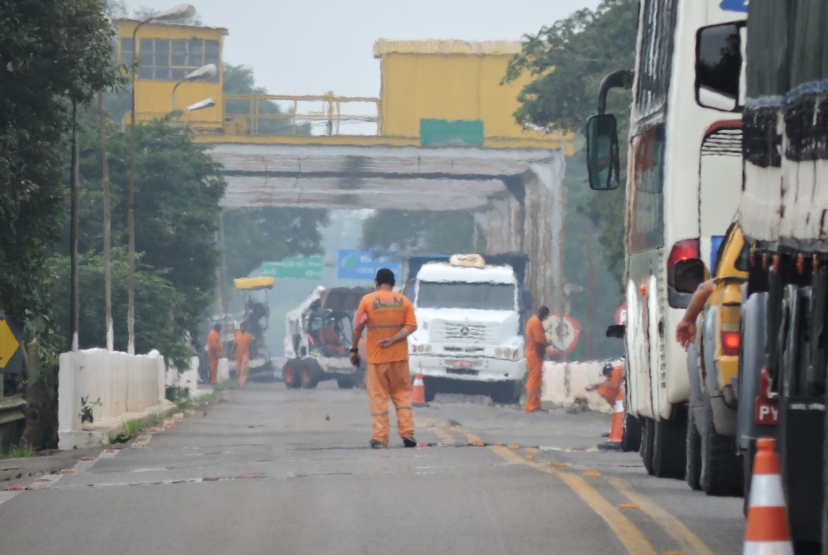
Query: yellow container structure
(426, 82)
(166, 54)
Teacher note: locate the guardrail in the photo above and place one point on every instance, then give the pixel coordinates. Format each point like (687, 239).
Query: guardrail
(12, 411)
(262, 115)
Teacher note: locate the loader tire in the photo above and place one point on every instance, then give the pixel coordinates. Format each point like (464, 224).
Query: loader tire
(292, 373)
(721, 468)
(311, 373)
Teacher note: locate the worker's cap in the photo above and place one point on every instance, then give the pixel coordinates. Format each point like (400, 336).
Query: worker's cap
(385, 276)
(216, 324)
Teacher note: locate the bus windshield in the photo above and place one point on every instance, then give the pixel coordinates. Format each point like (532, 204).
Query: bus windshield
(480, 296)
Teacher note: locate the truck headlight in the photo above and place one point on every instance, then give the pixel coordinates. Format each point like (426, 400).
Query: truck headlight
(507, 353)
(420, 348)
(498, 352)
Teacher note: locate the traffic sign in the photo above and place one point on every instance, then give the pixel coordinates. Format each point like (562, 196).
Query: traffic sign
(11, 355)
(363, 265)
(295, 267)
(563, 332)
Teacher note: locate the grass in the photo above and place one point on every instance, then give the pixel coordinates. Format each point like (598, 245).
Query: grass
(224, 384)
(18, 452)
(134, 427)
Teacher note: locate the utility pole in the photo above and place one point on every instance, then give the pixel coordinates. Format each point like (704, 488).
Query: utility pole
(107, 249)
(590, 288)
(73, 237)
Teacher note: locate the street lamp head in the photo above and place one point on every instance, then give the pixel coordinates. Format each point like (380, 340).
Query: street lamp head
(206, 103)
(204, 72)
(181, 11)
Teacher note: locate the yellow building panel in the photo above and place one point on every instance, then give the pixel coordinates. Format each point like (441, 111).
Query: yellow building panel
(153, 98)
(452, 80)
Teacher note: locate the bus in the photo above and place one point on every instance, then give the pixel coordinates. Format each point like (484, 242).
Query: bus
(682, 191)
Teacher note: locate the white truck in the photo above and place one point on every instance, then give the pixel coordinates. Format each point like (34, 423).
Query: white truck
(470, 335)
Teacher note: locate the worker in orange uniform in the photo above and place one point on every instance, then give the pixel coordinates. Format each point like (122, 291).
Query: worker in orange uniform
(609, 388)
(214, 351)
(390, 319)
(331, 338)
(536, 344)
(244, 339)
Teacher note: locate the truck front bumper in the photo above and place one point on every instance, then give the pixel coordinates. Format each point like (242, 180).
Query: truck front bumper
(478, 369)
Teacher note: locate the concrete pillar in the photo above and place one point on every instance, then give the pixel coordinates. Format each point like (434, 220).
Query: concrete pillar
(543, 232)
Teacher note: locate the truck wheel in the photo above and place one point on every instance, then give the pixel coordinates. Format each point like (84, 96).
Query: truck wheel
(345, 383)
(506, 393)
(631, 440)
(647, 425)
(291, 373)
(669, 437)
(692, 473)
(311, 373)
(721, 469)
(430, 388)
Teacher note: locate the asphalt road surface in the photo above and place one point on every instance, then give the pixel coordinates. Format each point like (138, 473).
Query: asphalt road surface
(273, 471)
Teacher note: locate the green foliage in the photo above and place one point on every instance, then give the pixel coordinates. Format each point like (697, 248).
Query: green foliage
(86, 409)
(421, 232)
(157, 302)
(568, 60)
(134, 427)
(177, 191)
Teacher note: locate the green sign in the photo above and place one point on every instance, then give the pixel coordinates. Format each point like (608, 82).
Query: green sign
(440, 132)
(297, 267)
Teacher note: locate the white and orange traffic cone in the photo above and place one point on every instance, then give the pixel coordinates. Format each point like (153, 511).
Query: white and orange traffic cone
(767, 530)
(418, 392)
(616, 435)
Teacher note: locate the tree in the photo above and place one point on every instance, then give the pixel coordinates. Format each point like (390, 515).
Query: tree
(421, 232)
(52, 52)
(568, 60)
(177, 192)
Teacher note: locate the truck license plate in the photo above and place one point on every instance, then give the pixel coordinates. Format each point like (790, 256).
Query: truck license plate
(765, 412)
(462, 363)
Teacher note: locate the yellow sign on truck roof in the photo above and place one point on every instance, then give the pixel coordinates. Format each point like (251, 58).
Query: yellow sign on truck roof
(253, 283)
(468, 260)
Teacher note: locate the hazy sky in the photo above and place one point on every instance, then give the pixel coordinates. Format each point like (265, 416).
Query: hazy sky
(313, 46)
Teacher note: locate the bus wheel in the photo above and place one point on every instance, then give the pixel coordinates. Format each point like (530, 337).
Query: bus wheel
(692, 473)
(647, 425)
(669, 437)
(631, 440)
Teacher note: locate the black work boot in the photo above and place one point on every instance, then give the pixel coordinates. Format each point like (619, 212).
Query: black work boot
(378, 444)
(409, 442)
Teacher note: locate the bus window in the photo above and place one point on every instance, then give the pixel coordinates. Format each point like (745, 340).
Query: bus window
(646, 226)
(655, 60)
(719, 66)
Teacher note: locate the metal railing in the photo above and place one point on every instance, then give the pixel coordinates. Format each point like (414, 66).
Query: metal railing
(262, 114)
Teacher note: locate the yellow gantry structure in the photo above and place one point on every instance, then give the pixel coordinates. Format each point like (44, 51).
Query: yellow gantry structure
(435, 93)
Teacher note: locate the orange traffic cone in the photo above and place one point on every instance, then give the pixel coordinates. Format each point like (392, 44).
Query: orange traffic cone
(418, 392)
(617, 428)
(767, 530)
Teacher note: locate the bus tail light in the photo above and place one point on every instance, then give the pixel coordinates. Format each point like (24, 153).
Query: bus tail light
(730, 343)
(683, 250)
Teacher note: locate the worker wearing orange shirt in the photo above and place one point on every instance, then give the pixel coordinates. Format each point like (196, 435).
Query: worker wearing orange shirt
(389, 318)
(536, 344)
(214, 350)
(330, 336)
(244, 339)
(609, 388)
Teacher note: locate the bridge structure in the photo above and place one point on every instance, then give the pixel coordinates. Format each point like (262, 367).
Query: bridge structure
(440, 137)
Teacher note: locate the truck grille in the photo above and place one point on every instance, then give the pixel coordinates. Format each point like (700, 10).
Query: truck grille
(464, 332)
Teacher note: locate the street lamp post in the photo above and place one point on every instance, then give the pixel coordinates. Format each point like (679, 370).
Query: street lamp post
(182, 11)
(204, 72)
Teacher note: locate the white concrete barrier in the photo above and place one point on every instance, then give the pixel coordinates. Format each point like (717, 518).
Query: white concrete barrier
(223, 370)
(563, 382)
(128, 387)
(187, 380)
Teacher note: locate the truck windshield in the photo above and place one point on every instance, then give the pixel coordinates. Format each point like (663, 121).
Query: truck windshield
(481, 296)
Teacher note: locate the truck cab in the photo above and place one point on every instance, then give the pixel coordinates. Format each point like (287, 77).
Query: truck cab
(469, 338)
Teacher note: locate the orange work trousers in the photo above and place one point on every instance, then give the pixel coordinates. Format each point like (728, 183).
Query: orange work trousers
(213, 369)
(390, 379)
(534, 383)
(242, 368)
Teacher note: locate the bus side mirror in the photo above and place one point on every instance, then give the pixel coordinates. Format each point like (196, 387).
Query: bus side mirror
(603, 161)
(719, 66)
(689, 274)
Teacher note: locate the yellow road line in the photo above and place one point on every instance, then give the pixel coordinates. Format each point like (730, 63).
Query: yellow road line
(670, 524)
(628, 533)
(439, 429)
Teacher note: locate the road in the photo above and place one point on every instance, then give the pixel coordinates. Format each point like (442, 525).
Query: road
(289, 472)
